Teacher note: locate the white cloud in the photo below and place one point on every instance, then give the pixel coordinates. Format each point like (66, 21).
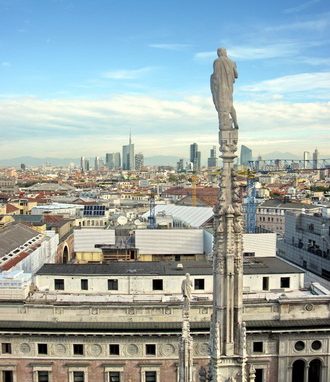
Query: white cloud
(303, 82)
(126, 74)
(250, 52)
(318, 24)
(169, 46)
(5, 64)
(75, 127)
(301, 7)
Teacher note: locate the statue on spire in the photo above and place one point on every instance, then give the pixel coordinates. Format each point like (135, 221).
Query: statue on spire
(222, 87)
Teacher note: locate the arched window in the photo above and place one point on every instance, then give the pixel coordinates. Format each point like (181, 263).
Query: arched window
(298, 371)
(314, 371)
(65, 255)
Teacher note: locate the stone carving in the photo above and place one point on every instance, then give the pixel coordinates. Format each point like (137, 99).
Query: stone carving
(95, 350)
(168, 350)
(60, 349)
(132, 349)
(202, 374)
(25, 348)
(222, 86)
(186, 287)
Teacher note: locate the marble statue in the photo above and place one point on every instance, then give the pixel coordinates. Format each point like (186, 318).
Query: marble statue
(186, 287)
(222, 86)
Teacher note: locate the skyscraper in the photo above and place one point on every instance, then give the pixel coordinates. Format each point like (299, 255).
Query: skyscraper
(113, 161)
(96, 163)
(139, 162)
(128, 155)
(315, 158)
(306, 159)
(212, 160)
(246, 155)
(84, 164)
(195, 156)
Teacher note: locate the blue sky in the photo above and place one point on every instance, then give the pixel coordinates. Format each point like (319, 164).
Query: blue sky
(75, 76)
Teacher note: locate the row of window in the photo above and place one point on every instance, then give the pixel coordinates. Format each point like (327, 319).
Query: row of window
(263, 219)
(157, 284)
(77, 376)
(78, 349)
(258, 346)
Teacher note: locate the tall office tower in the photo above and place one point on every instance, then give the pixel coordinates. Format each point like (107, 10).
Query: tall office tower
(96, 163)
(139, 161)
(195, 156)
(112, 161)
(128, 155)
(82, 163)
(315, 159)
(109, 160)
(116, 161)
(180, 165)
(86, 165)
(306, 159)
(246, 155)
(212, 160)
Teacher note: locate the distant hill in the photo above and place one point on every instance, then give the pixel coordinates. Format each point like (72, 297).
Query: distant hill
(33, 161)
(161, 160)
(280, 155)
(158, 160)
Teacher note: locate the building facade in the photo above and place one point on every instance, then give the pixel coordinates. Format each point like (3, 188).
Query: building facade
(306, 241)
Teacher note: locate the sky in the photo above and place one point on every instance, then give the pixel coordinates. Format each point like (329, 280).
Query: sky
(77, 76)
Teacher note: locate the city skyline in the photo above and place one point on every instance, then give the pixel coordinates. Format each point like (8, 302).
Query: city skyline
(75, 77)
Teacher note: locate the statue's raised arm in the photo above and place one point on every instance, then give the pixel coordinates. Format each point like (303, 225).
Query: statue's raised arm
(222, 87)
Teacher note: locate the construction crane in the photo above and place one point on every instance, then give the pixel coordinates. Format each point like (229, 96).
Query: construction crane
(152, 217)
(194, 190)
(251, 204)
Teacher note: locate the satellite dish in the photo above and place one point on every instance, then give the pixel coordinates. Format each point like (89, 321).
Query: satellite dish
(122, 220)
(137, 222)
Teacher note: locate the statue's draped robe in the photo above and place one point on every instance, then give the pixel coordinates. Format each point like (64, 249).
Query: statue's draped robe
(222, 80)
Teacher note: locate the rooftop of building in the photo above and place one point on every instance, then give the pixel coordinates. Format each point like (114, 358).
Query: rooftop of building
(51, 187)
(252, 265)
(275, 203)
(192, 216)
(13, 236)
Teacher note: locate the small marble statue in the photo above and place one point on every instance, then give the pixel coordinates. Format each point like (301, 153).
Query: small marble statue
(186, 287)
(202, 374)
(222, 86)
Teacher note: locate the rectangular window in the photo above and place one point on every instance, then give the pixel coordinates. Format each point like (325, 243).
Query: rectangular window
(84, 284)
(112, 284)
(78, 349)
(258, 346)
(6, 348)
(43, 376)
(259, 375)
(59, 284)
(42, 349)
(114, 376)
(199, 284)
(151, 376)
(7, 376)
(157, 284)
(285, 282)
(114, 349)
(150, 349)
(78, 376)
(265, 283)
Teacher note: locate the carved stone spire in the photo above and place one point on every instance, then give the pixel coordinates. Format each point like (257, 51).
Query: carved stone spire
(186, 341)
(228, 334)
